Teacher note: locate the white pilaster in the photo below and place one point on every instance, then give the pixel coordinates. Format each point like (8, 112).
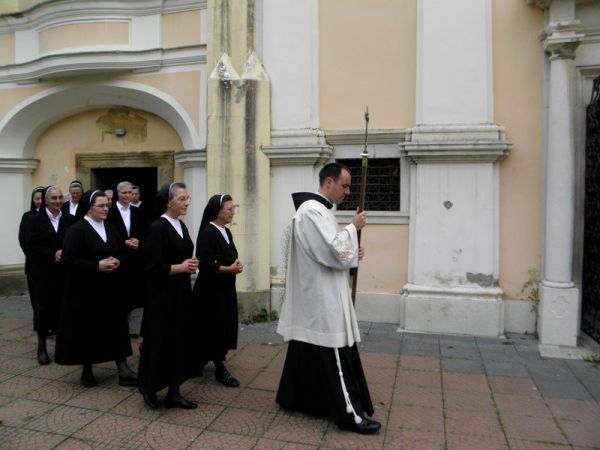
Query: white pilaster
(193, 163)
(15, 182)
(453, 254)
(559, 300)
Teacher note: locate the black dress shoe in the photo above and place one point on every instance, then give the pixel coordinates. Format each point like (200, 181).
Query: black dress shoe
(366, 426)
(149, 399)
(42, 357)
(179, 402)
(89, 380)
(128, 381)
(226, 379)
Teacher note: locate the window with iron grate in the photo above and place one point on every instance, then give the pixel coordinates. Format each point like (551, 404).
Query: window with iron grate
(382, 191)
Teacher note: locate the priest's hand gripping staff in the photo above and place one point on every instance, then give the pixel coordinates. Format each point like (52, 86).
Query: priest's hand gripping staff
(361, 195)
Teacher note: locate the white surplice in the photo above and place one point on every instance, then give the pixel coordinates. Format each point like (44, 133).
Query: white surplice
(318, 305)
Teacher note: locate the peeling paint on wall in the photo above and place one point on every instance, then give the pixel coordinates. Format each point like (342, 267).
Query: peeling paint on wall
(134, 126)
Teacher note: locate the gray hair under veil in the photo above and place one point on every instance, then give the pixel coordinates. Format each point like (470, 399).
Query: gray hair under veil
(46, 191)
(166, 194)
(214, 205)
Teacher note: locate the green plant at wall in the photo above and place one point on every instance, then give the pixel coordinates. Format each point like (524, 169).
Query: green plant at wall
(532, 287)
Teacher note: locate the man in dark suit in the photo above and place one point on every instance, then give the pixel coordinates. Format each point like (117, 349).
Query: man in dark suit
(129, 223)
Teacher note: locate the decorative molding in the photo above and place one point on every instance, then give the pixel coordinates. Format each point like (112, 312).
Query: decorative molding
(542, 4)
(562, 46)
(56, 11)
(298, 147)
(18, 165)
(456, 144)
(191, 158)
(89, 63)
(354, 137)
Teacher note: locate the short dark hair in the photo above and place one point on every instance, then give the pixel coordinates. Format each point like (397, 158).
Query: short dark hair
(333, 170)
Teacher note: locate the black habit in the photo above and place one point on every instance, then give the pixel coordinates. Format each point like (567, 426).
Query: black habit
(47, 276)
(168, 357)
(132, 269)
(22, 235)
(93, 326)
(215, 294)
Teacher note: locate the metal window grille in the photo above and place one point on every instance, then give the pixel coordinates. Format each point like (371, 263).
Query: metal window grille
(383, 184)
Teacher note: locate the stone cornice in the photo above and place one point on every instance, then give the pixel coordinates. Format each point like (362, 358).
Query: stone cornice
(354, 137)
(89, 63)
(456, 144)
(542, 4)
(297, 147)
(562, 45)
(18, 165)
(191, 158)
(52, 11)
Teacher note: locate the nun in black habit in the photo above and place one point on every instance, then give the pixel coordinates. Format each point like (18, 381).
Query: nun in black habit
(214, 289)
(36, 201)
(167, 355)
(44, 240)
(93, 326)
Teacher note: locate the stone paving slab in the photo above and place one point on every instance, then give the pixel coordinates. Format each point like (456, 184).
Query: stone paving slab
(429, 392)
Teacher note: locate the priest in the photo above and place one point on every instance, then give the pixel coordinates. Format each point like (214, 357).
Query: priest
(323, 373)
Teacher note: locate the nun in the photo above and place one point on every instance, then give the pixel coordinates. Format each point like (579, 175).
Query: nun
(214, 289)
(36, 201)
(44, 240)
(167, 356)
(93, 325)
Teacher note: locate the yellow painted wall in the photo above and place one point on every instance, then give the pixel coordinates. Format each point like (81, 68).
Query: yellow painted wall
(83, 34)
(385, 267)
(184, 87)
(15, 95)
(7, 49)
(81, 133)
(518, 106)
(180, 29)
(367, 56)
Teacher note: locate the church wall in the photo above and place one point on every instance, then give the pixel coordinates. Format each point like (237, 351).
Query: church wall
(384, 269)
(518, 106)
(82, 133)
(183, 86)
(75, 35)
(12, 95)
(367, 56)
(7, 48)
(181, 28)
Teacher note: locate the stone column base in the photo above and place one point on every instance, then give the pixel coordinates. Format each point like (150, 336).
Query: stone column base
(558, 320)
(459, 310)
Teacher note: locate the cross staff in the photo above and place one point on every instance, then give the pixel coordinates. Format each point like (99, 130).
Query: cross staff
(361, 195)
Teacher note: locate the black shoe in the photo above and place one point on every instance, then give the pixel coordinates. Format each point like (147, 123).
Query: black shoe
(179, 402)
(226, 379)
(366, 426)
(133, 336)
(128, 381)
(88, 380)
(42, 356)
(149, 399)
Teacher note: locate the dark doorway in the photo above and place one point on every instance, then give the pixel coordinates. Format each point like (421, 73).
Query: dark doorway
(144, 177)
(590, 292)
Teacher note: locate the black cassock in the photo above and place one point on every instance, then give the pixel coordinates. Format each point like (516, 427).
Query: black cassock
(132, 269)
(215, 294)
(93, 325)
(168, 356)
(47, 276)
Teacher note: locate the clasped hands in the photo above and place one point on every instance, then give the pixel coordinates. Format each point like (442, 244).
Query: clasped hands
(109, 264)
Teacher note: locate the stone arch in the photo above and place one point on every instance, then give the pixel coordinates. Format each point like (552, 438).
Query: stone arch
(24, 124)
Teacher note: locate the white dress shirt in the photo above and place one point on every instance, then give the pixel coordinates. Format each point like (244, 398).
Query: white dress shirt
(126, 215)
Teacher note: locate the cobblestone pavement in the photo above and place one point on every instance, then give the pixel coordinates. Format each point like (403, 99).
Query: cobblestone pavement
(430, 392)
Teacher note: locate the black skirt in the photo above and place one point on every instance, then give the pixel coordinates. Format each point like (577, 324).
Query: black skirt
(310, 382)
